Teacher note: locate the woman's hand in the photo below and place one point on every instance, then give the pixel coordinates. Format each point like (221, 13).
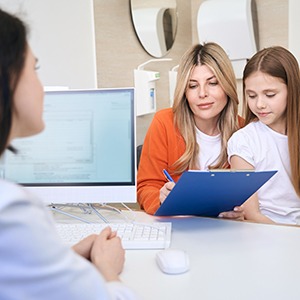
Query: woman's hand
(105, 251)
(84, 247)
(108, 255)
(165, 191)
(237, 214)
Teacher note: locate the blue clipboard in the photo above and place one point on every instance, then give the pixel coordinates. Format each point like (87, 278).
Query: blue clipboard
(208, 193)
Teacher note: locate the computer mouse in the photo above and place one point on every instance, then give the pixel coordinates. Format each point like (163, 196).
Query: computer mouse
(173, 261)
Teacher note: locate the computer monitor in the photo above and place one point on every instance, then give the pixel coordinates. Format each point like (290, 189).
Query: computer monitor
(86, 154)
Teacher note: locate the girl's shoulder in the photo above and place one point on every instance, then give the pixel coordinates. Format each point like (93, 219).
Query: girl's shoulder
(256, 133)
(250, 128)
(252, 134)
(257, 128)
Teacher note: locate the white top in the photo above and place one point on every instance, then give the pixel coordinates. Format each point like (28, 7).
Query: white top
(210, 148)
(265, 150)
(34, 262)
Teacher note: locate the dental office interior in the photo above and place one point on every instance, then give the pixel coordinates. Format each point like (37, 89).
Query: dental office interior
(111, 48)
(103, 48)
(118, 52)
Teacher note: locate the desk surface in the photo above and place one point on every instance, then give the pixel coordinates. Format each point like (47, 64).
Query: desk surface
(229, 260)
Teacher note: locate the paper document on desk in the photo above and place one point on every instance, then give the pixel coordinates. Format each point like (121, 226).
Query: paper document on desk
(208, 193)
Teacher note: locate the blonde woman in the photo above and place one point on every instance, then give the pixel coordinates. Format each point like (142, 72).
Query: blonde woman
(193, 134)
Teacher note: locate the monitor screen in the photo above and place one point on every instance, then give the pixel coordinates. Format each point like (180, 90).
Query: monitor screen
(86, 154)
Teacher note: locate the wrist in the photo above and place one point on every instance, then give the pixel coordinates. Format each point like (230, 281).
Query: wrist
(109, 275)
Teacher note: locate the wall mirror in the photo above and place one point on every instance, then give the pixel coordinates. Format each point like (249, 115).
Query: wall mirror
(155, 23)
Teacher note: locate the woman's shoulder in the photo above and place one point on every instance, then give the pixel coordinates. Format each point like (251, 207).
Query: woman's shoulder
(163, 125)
(10, 189)
(241, 121)
(11, 192)
(165, 114)
(164, 117)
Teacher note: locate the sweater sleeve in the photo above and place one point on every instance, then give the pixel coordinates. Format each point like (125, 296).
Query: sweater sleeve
(162, 147)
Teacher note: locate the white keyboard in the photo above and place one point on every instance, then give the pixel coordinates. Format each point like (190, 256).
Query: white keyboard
(156, 235)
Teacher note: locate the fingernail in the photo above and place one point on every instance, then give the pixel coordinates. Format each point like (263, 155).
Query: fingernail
(220, 216)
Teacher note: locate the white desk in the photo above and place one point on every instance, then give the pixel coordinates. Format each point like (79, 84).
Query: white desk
(229, 260)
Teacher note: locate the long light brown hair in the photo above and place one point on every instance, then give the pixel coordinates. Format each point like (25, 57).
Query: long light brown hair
(280, 63)
(213, 56)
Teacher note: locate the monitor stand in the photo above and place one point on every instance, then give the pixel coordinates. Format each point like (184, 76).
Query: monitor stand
(88, 209)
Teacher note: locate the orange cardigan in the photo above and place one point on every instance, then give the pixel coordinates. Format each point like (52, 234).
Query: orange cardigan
(162, 147)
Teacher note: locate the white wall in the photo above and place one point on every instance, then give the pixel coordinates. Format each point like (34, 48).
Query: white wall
(62, 38)
(294, 25)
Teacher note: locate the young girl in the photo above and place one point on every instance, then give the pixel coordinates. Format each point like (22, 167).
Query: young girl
(34, 262)
(271, 139)
(194, 133)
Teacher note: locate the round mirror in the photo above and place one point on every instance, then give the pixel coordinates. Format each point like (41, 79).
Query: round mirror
(155, 24)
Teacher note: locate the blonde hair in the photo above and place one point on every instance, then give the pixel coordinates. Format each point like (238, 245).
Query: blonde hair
(213, 56)
(280, 63)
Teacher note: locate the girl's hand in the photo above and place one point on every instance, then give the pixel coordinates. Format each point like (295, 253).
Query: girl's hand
(237, 214)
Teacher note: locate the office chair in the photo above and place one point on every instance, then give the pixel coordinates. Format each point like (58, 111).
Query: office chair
(138, 155)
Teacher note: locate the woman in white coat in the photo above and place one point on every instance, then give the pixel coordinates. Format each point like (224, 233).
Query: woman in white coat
(34, 262)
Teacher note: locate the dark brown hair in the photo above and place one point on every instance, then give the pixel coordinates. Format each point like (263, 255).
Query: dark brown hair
(13, 47)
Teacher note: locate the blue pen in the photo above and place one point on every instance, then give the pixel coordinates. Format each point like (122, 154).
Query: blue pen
(168, 176)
